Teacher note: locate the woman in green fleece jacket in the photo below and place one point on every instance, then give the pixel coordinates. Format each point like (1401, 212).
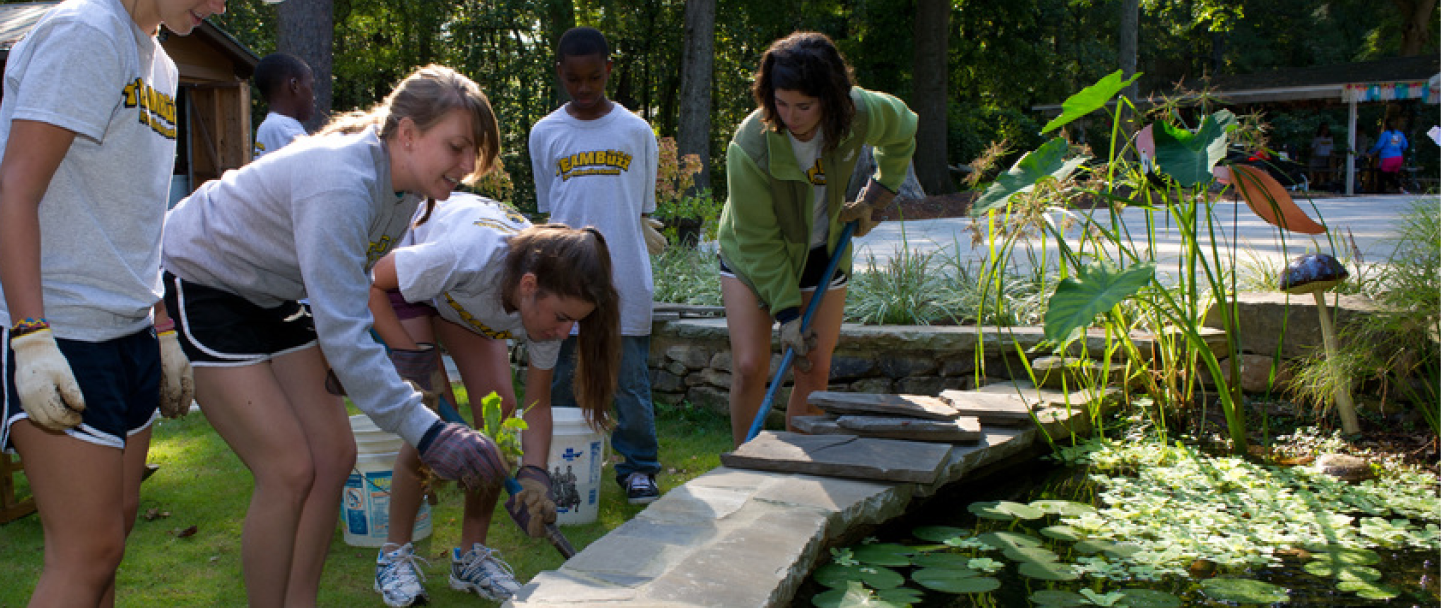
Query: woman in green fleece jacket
(781, 221)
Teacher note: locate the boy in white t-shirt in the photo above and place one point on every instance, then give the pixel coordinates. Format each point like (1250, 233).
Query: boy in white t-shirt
(287, 85)
(595, 165)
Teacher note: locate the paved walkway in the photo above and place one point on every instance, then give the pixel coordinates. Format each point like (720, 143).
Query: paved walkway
(1369, 220)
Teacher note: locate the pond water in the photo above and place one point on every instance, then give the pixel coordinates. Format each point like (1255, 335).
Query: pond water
(1411, 573)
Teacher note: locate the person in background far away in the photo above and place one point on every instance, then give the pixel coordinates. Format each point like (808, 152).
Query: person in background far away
(1390, 148)
(1321, 146)
(287, 85)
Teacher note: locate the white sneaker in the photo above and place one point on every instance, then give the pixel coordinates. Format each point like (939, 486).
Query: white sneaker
(481, 570)
(397, 577)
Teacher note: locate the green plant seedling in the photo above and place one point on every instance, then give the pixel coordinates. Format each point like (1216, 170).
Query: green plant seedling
(954, 580)
(884, 554)
(503, 430)
(1244, 591)
(985, 564)
(854, 595)
(837, 576)
(1048, 571)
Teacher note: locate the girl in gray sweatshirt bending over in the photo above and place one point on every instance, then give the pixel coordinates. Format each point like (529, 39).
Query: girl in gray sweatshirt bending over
(309, 221)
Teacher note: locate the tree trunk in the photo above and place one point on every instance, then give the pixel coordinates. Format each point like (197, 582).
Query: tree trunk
(1415, 19)
(697, 66)
(929, 86)
(1130, 33)
(561, 15)
(306, 31)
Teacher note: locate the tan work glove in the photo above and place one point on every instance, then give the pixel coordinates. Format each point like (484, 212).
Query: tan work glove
(534, 505)
(47, 387)
(650, 228)
(798, 341)
(177, 381)
(873, 198)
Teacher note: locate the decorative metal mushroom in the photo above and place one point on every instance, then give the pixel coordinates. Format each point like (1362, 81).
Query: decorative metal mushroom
(1314, 273)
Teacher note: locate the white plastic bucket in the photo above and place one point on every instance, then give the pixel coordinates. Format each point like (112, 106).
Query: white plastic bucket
(576, 455)
(365, 501)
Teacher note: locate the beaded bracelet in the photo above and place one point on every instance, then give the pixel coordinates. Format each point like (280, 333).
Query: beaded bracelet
(28, 325)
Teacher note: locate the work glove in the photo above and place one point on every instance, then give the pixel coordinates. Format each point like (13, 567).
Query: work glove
(421, 366)
(534, 505)
(650, 228)
(873, 198)
(47, 387)
(177, 381)
(798, 341)
(455, 451)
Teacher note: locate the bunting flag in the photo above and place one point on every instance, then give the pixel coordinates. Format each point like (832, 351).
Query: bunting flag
(1391, 91)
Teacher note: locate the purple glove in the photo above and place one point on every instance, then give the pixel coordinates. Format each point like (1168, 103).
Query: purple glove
(455, 451)
(534, 505)
(421, 366)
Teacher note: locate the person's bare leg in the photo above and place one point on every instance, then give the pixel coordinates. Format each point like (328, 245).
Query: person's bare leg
(827, 323)
(251, 411)
(484, 366)
(332, 450)
(79, 491)
(750, 329)
(137, 446)
(405, 486)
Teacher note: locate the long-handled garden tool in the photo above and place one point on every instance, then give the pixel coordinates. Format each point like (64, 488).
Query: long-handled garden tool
(811, 308)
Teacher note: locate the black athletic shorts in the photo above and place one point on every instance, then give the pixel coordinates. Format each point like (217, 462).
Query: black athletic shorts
(220, 329)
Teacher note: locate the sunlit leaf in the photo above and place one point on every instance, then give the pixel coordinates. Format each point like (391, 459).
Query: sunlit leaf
(1150, 598)
(1349, 555)
(1048, 571)
(1049, 160)
(1370, 591)
(1090, 99)
(1095, 289)
(837, 576)
(1243, 591)
(990, 510)
(953, 581)
(1030, 554)
(1064, 508)
(1022, 511)
(1188, 157)
(855, 595)
(1062, 532)
(1006, 538)
(1342, 570)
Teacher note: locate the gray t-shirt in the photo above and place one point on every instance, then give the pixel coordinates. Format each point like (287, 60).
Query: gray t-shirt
(88, 68)
(308, 220)
(601, 173)
(456, 260)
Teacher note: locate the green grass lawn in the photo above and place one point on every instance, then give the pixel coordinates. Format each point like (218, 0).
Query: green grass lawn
(201, 483)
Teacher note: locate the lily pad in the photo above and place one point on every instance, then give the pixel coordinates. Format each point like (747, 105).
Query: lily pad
(1049, 571)
(951, 580)
(883, 554)
(1061, 532)
(1064, 508)
(1243, 591)
(990, 510)
(852, 596)
(1022, 511)
(941, 560)
(1343, 571)
(1150, 598)
(1349, 555)
(837, 576)
(1006, 538)
(1031, 554)
(1370, 591)
(939, 534)
(1057, 598)
(1094, 545)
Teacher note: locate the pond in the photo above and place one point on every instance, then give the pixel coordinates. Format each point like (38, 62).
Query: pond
(1029, 536)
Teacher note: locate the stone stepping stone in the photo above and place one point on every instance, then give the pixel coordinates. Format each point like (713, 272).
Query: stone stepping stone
(819, 425)
(1002, 409)
(966, 429)
(841, 456)
(915, 406)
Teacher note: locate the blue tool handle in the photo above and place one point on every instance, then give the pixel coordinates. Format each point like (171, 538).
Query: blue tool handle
(790, 355)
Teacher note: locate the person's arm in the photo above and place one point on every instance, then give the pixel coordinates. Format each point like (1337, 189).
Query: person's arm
(535, 439)
(891, 131)
(386, 323)
(32, 154)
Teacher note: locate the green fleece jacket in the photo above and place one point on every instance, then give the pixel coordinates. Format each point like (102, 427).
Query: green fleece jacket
(765, 226)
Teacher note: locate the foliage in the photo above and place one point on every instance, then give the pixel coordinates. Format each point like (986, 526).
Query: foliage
(686, 275)
(677, 201)
(503, 430)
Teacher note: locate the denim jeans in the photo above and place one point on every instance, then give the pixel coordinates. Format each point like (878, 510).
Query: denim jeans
(634, 434)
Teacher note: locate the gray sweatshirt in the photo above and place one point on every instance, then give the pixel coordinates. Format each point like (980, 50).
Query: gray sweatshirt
(308, 220)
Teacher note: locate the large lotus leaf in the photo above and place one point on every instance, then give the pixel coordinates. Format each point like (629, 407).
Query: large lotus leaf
(1061, 532)
(1057, 598)
(883, 554)
(1049, 160)
(1005, 538)
(853, 596)
(1030, 554)
(950, 580)
(1020, 510)
(990, 510)
(1370, 591)
(837, 576)
(1267, 198)
(1048, 571)
(1343, 570)
(1094, 545)
(900, 595)
(939, 534)
(1150, 598)
(1349, 555)
(1188, 157)
(1090, 99)
(1094, 290)
(941, 560)
(1243, 591)
(1065, 508)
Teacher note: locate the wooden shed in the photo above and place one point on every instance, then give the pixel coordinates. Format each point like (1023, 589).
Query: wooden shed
(214, 96)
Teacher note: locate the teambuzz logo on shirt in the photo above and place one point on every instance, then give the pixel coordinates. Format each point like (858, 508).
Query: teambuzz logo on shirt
(597, 162)
(377, 250)
(157, 110)
(475, 323)
(816, 175)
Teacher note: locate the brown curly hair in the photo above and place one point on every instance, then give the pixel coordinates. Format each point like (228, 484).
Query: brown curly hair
(807, 62)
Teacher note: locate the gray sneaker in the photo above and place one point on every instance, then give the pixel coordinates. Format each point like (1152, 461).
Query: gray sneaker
(640, 489)
(481, 570)
(398, 577)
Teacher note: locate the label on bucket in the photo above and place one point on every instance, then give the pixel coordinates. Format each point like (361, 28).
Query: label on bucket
(365, 510)
(575, 477)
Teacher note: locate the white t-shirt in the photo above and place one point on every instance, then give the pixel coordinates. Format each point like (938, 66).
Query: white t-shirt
(456, 261)
(86, 67)
(601, 173)
(808, 159)
(276, 132)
